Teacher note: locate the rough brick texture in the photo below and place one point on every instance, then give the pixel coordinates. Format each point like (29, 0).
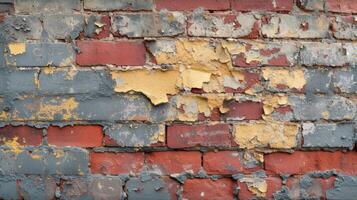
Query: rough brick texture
(178, 99)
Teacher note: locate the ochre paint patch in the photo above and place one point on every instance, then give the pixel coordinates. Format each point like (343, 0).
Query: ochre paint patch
(277, 135)
(291, 78)
(17, 48)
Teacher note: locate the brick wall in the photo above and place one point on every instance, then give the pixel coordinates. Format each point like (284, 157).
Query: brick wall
(178, 99)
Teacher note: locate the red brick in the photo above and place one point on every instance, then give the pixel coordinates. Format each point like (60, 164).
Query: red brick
(208, 189)
(244, 192)
(79, 136)
(262, 5)
(222, 162)
(116, 163)
(181, 135)
(24, 135)
(274, 185)
(105, 31)
(343, 6)
(172, 162)
(301, 162)
(244, 110)
(349, 163)
(190, 5)
(173, 187)
(116, 53)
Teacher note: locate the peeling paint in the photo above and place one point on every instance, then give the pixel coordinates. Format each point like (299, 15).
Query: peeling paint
(291, 78)
(17, 48)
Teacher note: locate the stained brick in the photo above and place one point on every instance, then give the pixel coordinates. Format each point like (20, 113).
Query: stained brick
(63, 26)
(149, 24)
(111, 5)
(181, 135)
(345, 27)
(207, 188)
(263, 5)
(346, 6)
(48, 6)
(346, 80)
(189, 5)
(24, 135)
(79, 136)
(223, 162)
(295, 26)
(223, 25)
(116, 163)
(247, 110)
(174, 162)
(117, 53)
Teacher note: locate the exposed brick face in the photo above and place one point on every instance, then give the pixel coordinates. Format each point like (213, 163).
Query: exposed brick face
(178, 99)
(181, 135)
(116, 53)
(81, 136)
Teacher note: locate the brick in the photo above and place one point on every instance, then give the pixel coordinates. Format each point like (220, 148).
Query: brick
(253, 54)
(263, 5)
(251, 82)
(301, 162)
(328, 135)
(117, 53)
(134, 135)
(266, 134)
(79, 136)
(68, 81)
(311, 5)
(247, 110)
(174, 162)
(24, 135)
(148, 187)
(63, 26)
(322, 107)
(8, 188)
(97, 26)
(93, 187)
(345, 27)
(284, 79)
(223, 25)
(222, 162)
(41, 54)
(45, 161)
(274, 185)
(345, 80)
(346, 6)
(149, 24)
(17, 81)
(323, 54)
(36, 187)
(181, 135)
(47, 6)
(116, 163)
(345, 188)
(113, 108)
(207, 189)
(190, 5)
(318, 80)
(20, 28)
(6, 6)
(111, 5)
(295, 26)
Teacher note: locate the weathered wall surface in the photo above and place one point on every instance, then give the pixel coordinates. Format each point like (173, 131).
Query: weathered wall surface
(178, 99)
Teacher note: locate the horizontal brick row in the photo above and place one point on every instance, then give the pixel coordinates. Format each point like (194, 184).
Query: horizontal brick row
(69, 6)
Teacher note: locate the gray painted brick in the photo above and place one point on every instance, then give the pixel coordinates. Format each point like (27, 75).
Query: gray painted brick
(345, 28)
(152, 187)
(149, 24)
(296, 26)
(318, 80)
(328, 135)
(346, 80)
(313, 53)
(109, 5)
(345, 187)
(63, 26)
(8, 188)
(322, 107)
(43, 54)
(20, 28)
(135, 135)
(47, 6)
(37, 187)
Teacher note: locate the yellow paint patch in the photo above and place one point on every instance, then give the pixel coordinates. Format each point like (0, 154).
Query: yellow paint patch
(17, 48)
(256, 185)
(192, 78)
(191, 106)
(156, 85)
(15, 147)
(293, 79)
(159, 136)
(271, 134)
(272, 102)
